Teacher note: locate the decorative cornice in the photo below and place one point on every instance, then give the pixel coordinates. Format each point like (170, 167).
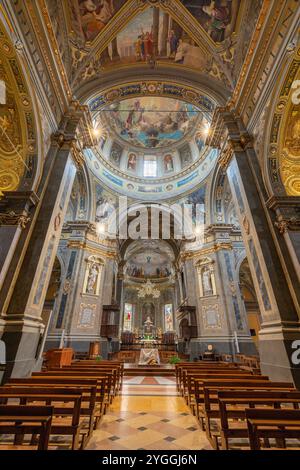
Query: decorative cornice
(278, 202)
(55, 47)
(55, 78)
(262, 20)
(206, 251)
(79, 245)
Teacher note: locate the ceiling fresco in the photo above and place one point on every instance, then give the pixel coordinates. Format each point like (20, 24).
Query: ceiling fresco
(152, 258)
(116, 34)
(217, 17)
(91, 16)
(152, 122)
(153, 35)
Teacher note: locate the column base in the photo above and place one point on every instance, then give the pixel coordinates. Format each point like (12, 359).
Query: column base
(277, 356)
(22, 340)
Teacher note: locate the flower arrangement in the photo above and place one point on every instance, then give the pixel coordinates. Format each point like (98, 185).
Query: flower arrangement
(174, 360)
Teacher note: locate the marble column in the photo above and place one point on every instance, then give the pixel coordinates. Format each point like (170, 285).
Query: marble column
(164, 35)
(278, 304)
(15, 214)
(21, 325)
(156, 15)
(287, 213)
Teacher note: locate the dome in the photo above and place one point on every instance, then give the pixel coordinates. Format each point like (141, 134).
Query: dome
(151, 144)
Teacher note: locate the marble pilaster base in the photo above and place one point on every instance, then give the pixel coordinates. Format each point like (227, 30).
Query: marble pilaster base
(22, 340)
(276, 353)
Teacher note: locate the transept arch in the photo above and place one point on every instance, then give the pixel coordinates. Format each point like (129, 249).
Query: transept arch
(282, 165)
(22, 154)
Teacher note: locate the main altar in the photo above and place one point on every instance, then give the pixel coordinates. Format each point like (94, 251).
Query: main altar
(149, 357)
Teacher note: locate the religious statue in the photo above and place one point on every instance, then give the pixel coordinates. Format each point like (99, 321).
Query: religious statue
(148, 325)
(206, 281)
(92, 279)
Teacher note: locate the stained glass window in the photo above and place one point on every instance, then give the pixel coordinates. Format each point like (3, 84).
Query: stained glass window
(169, 317)
(128, 317)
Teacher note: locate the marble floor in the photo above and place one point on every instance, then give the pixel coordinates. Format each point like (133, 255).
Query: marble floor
(149, 415)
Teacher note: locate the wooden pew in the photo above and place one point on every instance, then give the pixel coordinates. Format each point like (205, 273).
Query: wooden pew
(86, 385)
(19, 420)
(104, 378)
(232, 405)
(66, 406)
(187, 374)
(267, 424)
(114, 371)
(181, 368)
(189, 392)
(94, 363)
(88, 401)
(218, 384)
(190, 376)
(111, 374)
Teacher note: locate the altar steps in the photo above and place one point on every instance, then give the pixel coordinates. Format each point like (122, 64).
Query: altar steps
(161, 370)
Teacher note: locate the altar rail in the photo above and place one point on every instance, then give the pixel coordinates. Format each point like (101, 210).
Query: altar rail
(132, 356)
(143, 344)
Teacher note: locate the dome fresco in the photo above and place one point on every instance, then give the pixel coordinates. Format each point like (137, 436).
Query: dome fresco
(152, 122)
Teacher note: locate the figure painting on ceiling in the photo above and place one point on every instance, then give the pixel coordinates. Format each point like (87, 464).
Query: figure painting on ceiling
(153, 35)
(95, 14)
(139, 271)
(131, 163)
(105, 204)
(151, 122)
(168, 163)
(217, 17)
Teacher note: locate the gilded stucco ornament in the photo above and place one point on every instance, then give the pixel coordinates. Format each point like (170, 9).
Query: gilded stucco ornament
(284, 160)
(13, 218)
(285, 225)
(17, 123)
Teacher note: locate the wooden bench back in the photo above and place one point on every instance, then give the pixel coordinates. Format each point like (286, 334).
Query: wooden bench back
(16, 419)
(63, 404)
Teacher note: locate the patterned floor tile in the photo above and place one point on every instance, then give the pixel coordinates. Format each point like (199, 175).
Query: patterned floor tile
(142, 439)
(139, 419)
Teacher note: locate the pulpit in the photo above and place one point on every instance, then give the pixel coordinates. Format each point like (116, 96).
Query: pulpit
(94, 350)
(59, 357)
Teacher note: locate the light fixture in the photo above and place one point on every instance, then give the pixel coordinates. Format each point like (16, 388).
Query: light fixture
(199, 229)
(96, 131)
(206, 129)
(100, 229)
(148, 289)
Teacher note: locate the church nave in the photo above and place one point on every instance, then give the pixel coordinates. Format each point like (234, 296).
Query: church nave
(149, 225)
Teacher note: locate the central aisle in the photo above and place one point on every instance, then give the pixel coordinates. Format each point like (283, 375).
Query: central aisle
(149, 415)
